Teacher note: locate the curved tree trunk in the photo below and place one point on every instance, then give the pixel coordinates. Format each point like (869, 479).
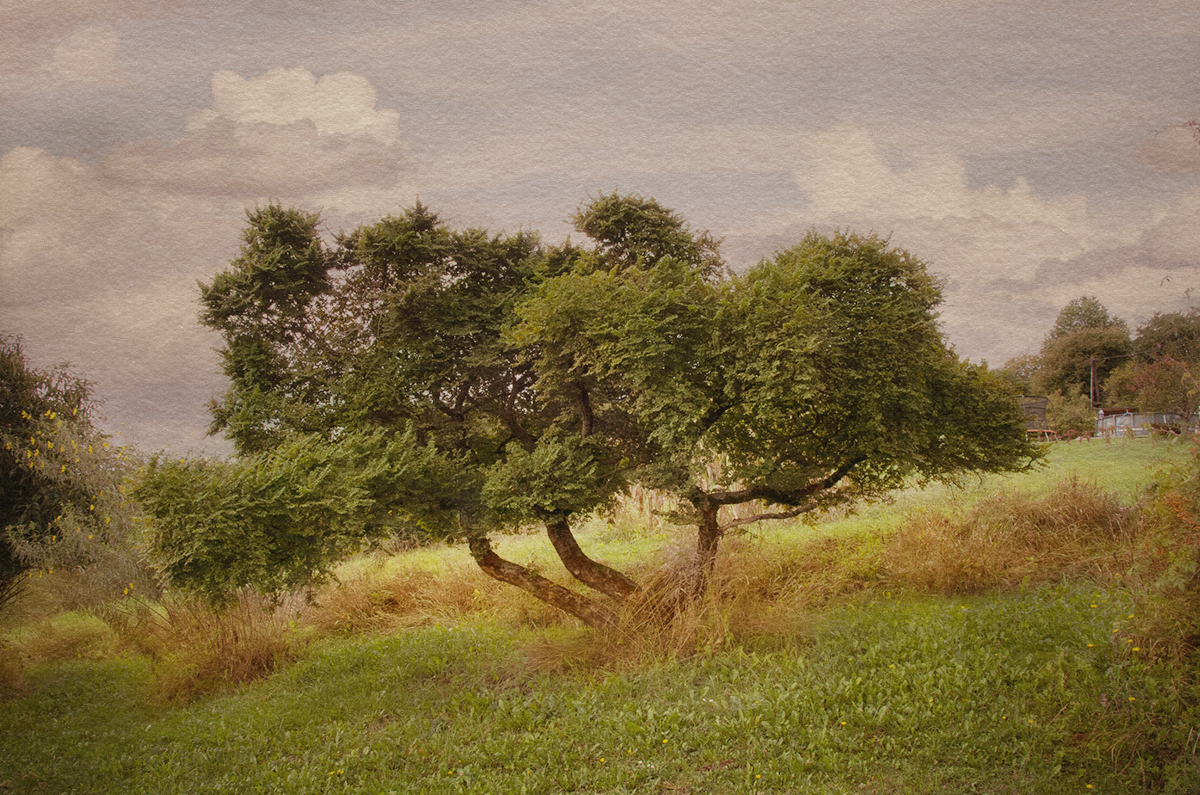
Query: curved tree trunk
(607, 581)
(551, 593)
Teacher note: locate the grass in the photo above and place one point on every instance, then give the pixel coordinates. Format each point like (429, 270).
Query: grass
(827, 662)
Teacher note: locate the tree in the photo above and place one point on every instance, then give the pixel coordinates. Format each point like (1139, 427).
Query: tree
(60, 479)
(400, 335)
(1158, 377)
(1082, 349)
(1170, 335)
(1082, 314)
(277, 520)
(263, 305)
(1020, 372)
(1167, 386)
(499, 383)
(816, 378)
(1071, 412)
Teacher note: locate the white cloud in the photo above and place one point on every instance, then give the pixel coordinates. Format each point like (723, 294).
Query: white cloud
(99, 264)
(88, 56)
(338, 104)
(283, 135)
(929, 202)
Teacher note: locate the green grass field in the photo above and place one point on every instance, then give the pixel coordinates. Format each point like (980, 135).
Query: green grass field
(420, 676)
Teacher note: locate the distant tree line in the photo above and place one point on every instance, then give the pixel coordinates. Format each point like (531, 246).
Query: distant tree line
(1090, 360)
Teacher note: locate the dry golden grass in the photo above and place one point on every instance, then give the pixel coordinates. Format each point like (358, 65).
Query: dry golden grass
(764, 591)
(1009, 538)
(198, 650)
(387, 599)
(756, 591)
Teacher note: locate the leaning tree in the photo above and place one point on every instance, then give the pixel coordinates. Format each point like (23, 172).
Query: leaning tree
(817, 377)
(408, 378)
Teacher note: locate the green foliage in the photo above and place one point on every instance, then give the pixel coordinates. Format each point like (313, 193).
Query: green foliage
(282, 266)
(1066, 361)
(559, 477)
(1020, 371)
(1083, 333)
(280, 520)
(1121, 387)
(823, 361)
(1084, 314)
(1071, 413)
(61, 498)
(632, 229)
(1167, 385)
(839, 359)
(1169, 335)
(261, 305)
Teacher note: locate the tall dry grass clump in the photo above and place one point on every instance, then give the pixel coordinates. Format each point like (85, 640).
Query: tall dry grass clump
(1166, 577)
(1009, 538)
(764, 592)
(384, 599)
(758, 593)
(198, 650)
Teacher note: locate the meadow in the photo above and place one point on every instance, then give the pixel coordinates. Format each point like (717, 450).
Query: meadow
(1031, 633)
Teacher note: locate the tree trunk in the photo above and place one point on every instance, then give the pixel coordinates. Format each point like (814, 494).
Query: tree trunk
(607, 581)
(581, 607)
(708, 537)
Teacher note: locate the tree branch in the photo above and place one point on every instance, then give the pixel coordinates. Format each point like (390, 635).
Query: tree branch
(587, 611)
(586, 418)
(607, 581)
(765, 516)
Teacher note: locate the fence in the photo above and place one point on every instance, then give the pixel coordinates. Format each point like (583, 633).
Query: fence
(1137, 423)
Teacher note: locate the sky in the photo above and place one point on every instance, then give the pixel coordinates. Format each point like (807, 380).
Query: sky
(1030, 152)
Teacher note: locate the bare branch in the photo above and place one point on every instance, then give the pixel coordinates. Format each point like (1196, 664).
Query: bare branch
(761, 517)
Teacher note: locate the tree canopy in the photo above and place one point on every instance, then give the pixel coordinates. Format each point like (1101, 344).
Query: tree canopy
(500, 382)
(60, 479)
(1083, 314)
(1083, 337)
(1159, 376)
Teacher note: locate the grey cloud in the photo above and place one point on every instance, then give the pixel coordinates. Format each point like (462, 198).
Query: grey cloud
(1175, 148)
(99, 264)
(47, 43)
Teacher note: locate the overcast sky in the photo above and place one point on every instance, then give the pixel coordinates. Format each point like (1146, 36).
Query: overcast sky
(1029, 152)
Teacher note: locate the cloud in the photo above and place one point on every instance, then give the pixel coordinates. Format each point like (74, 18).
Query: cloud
(99, 263)
(50, 44)
(1011, 258)
(971, 231)
(1174, 149)
(88, 56)
(337, 104)
(283, 134)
